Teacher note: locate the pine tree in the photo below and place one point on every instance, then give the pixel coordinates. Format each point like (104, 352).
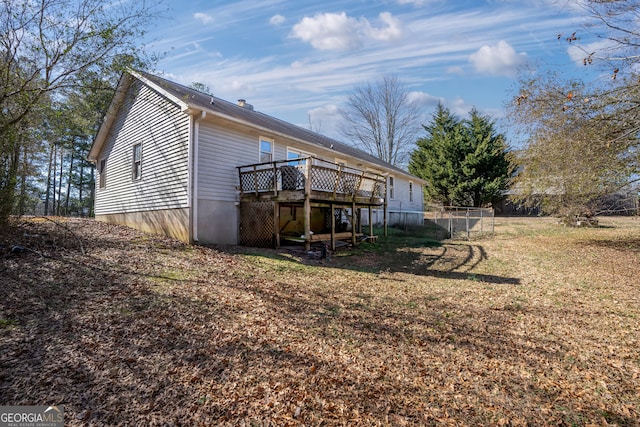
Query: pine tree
(464, 162)
(487, 166)
(432, 160)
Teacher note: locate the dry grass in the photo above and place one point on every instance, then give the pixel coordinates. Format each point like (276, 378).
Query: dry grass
(537, 326)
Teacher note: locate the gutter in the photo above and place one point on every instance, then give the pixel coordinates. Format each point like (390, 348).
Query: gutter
(196, 118)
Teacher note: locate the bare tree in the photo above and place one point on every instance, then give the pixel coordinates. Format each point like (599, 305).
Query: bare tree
(613, 24)
(44, 46)
(380, 119)
(583, 137)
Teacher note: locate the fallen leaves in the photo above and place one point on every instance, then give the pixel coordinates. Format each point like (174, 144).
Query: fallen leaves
(146, 330)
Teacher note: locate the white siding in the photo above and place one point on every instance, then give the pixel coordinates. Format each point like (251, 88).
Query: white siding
(401, 200)
(163, 130)
(220, 151)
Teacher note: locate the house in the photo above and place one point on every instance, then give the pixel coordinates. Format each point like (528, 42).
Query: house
(171, 160)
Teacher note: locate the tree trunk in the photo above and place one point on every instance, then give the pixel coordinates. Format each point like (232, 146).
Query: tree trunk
(49, 170)
(60, 181)
(92, 196)
(66, 202)
(8, 187)
(80, 185)
(54, 170)
(23, 183)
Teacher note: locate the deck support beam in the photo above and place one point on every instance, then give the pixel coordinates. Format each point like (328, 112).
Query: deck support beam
(333, 227)
(353, 223)
(384, 221)
(307, 205)
(276, 223)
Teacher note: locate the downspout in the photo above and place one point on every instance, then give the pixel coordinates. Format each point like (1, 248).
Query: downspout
(195, 139)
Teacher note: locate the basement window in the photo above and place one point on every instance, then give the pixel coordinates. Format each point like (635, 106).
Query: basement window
(137, 161)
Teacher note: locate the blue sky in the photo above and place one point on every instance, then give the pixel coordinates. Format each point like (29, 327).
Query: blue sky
(298, 60)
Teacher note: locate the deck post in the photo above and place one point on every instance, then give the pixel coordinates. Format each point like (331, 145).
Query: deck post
(370, 221)
(307, 205)
(275, 179)
(255, 179)
(384, 216)
(338, 179)
(333, 227)
(276, 223)
(353, 222)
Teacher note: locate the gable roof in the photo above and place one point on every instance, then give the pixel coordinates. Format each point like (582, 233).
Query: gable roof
(191, 99)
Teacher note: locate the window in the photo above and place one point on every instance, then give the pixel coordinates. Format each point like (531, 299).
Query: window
(410, 191)
(391, 188)
(102, 170)
(137, 161)
(266, 150)
(293, 154)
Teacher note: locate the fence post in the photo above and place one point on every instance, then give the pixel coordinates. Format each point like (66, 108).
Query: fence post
(493, 222)
(468, 231)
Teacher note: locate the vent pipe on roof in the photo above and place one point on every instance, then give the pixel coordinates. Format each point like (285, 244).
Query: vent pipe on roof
(244, 104)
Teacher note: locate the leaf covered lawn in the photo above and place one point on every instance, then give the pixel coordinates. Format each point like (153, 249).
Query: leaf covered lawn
(538, 325)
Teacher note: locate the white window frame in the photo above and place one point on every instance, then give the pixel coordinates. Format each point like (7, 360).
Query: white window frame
(392, 190)
(136, 163)
(262, 155)
(411, 191)
(299, 153)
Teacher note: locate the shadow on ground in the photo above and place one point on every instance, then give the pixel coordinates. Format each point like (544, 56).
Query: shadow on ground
(418, 251)
(127, 329)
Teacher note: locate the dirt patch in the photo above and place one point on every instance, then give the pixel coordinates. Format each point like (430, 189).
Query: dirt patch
(537, 326)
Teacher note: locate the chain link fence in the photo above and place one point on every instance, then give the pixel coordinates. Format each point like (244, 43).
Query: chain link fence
(452, 222)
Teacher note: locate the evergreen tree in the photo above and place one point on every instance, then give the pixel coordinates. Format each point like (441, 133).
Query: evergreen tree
(437, 157)
(487, 166)
(464, 162)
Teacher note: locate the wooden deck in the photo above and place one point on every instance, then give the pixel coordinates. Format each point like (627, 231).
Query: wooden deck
(308, 181)
(318, 180)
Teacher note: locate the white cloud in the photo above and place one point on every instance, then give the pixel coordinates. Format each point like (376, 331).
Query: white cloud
(500, 59)
(577, 54)
(458, 106)
(424, 99)
(203, 17)
(417, 3)
(277, 20)
(328, 31)
(337, 31)
(392, 30)
(456, 70)
(325, 120)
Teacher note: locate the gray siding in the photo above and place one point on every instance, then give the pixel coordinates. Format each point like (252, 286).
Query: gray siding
(220, 151)
(147, 118)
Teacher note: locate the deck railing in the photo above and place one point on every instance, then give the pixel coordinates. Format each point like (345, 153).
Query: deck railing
(333, 179)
